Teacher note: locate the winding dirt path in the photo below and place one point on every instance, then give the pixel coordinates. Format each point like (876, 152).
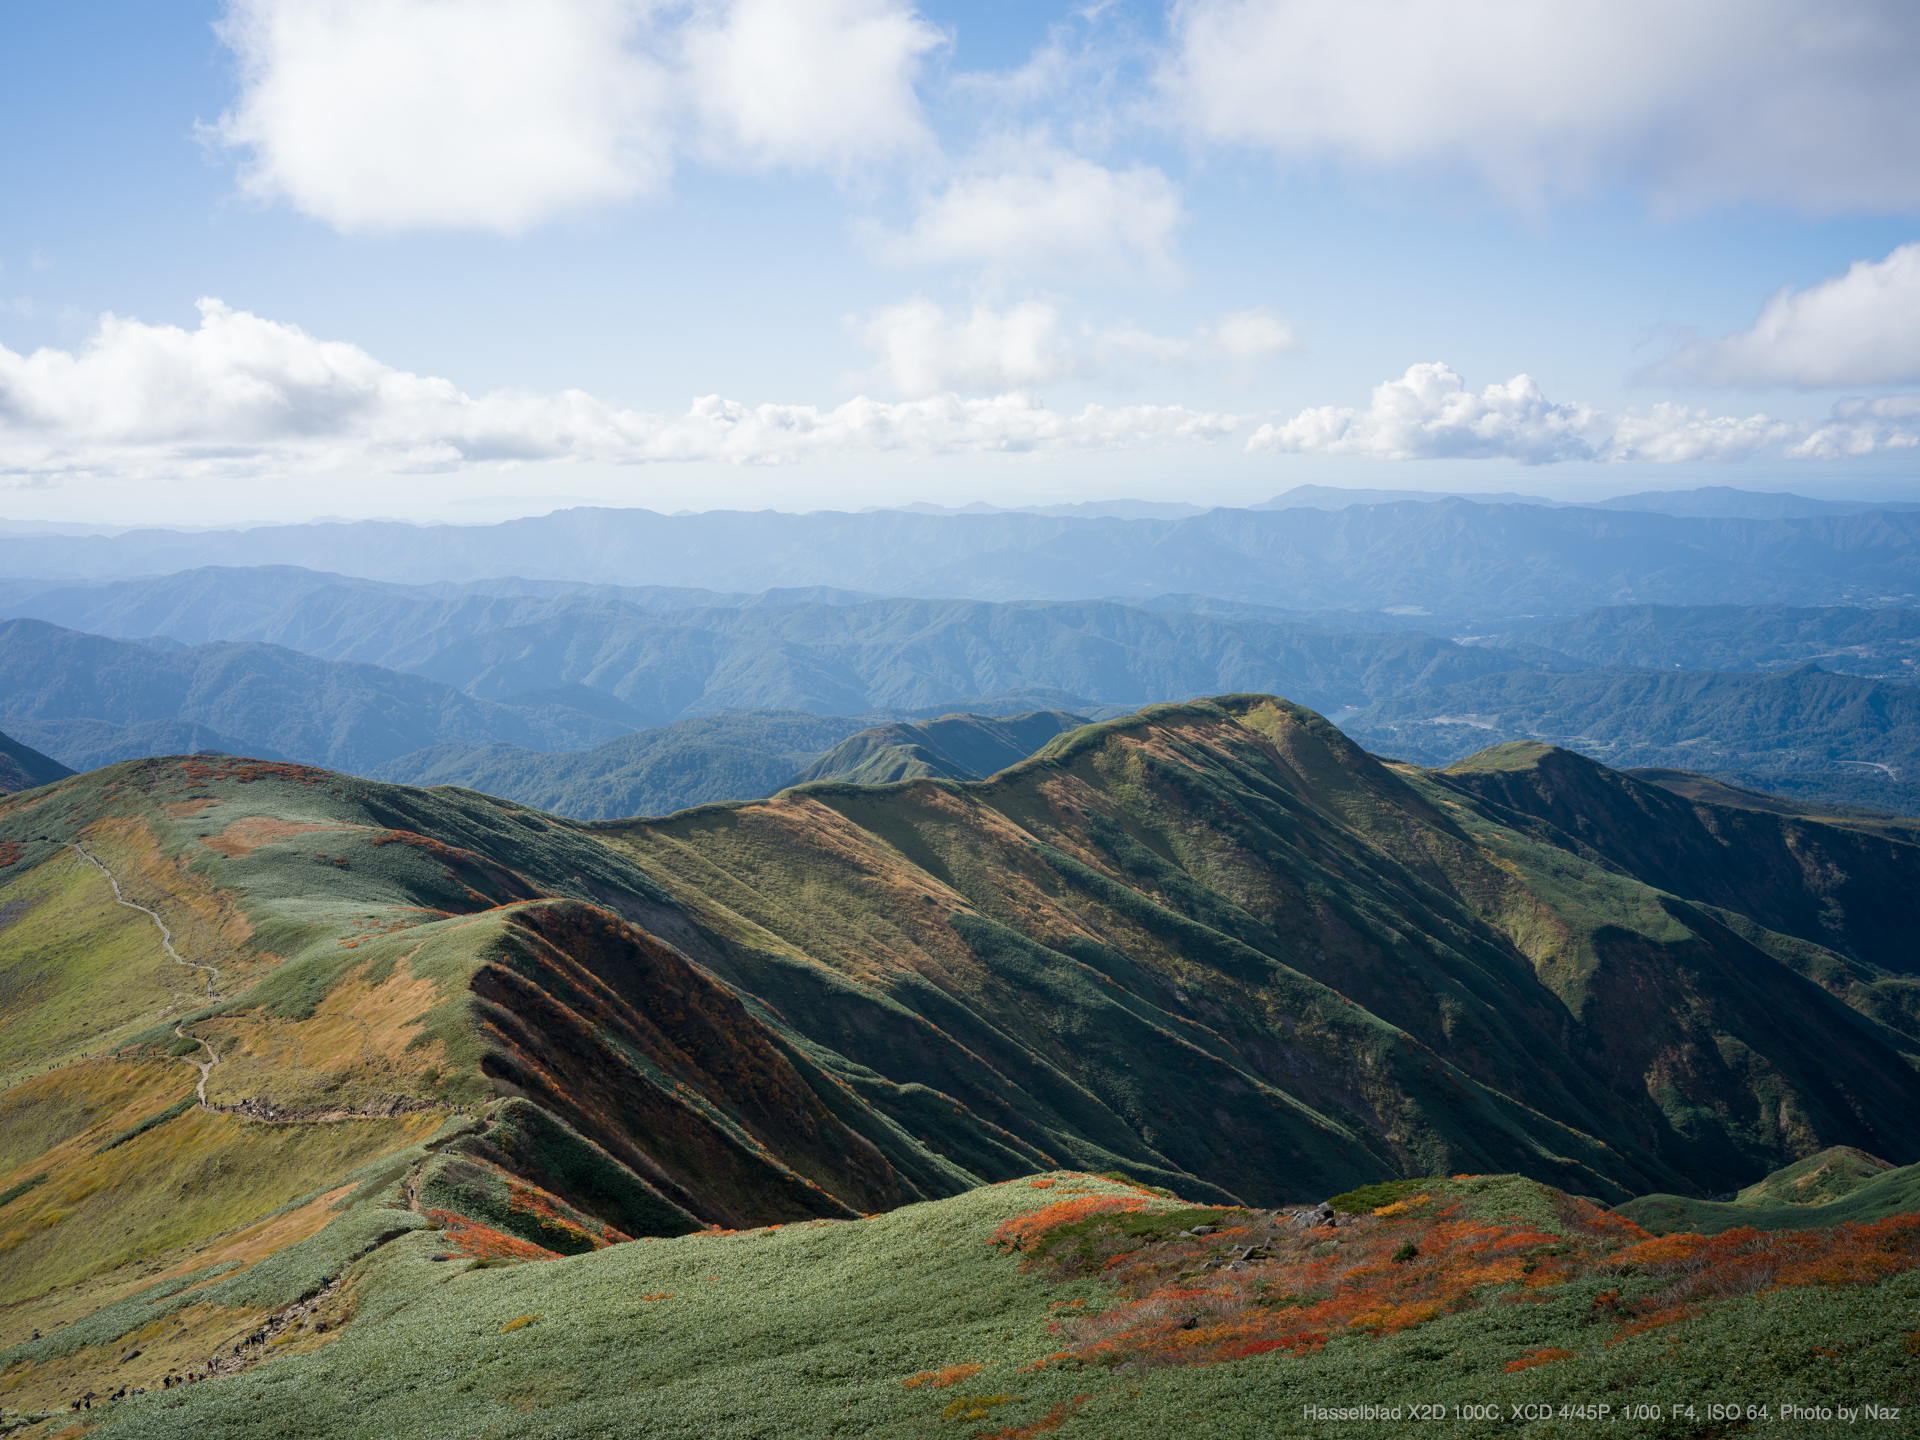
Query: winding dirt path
(166, 935)
(203, 1066)
(166, 939)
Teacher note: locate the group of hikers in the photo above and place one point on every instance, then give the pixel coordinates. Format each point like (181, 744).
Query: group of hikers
(167, 1381)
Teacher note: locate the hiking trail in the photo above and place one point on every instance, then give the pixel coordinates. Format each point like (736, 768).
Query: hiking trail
(166, 935)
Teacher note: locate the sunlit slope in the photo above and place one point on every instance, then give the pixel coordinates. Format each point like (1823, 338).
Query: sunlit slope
(1069, 1305)
(1207, 914)
(1838, 884)
(367, 964)
(1836, 1187)
(952, 747)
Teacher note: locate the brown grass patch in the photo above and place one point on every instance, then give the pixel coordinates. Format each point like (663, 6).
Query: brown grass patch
(243, 837)
(269, 1237)
(187, 809)
(175, 1344)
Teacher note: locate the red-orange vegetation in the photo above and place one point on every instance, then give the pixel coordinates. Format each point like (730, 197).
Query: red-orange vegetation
(483, 1242)
(1538, 1357)
(941, 1379)
(10, 851)
(1045, 1425)
(1187, 1300)
(1020, 1232)
(524, 1200)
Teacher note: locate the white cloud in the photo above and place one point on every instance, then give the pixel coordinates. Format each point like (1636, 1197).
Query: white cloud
(1250, 335)
(243, 395)
(378, 115)
(809, 82)
(1860, 328)
(1034, 209)
(1429, 414)
(491, 114)
(924, 348)
(1807, 102)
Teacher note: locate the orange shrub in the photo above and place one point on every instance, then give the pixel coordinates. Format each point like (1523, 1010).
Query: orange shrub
(941, 1379)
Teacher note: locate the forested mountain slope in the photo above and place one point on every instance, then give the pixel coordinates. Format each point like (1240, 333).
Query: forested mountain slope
(734, 755)
(84, 697)
(841, 655)
(1881, 642)
(22, 767)
(1841, 738)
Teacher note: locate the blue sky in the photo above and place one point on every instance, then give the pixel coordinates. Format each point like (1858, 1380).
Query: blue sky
(467, 258)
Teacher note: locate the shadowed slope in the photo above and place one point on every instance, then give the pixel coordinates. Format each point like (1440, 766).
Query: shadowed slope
(22, 767)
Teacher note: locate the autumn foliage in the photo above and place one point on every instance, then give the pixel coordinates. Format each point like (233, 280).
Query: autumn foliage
(1191, 1301)
(483, 1242)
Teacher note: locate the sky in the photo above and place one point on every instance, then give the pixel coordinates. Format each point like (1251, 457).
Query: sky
(467, 259)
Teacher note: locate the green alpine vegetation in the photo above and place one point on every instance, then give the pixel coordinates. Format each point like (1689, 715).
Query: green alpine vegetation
(1835, 1187)
(1075, 1305)
(1215, 949)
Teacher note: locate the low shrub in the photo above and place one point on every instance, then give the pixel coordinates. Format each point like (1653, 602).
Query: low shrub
(1375, 1197)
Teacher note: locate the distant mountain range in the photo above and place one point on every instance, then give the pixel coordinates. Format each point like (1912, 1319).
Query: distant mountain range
(1830, 737)
(575, 697)
(1451, 556)
(655, 665)
(735, 755)
(1716, 501)
(89, 701)
(1878, 643)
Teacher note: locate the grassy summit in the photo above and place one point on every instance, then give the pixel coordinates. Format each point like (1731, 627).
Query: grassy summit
(1213, 947)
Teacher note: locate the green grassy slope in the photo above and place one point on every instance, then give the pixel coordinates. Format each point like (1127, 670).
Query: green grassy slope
(1817, 1180)
(917, 1323)
(1239, 876)
(1894, 1191)
(1822, 889)
(1838, 885)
